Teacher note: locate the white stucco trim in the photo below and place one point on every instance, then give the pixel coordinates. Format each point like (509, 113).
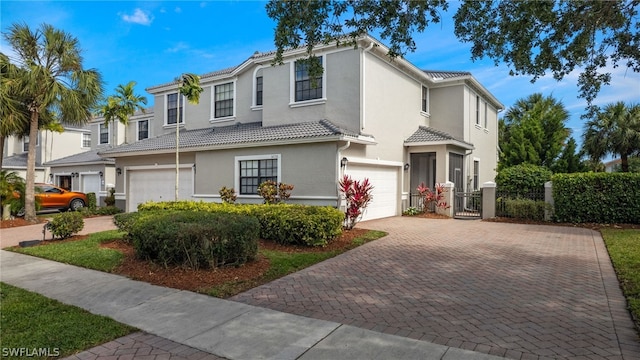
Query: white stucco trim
(358, 160)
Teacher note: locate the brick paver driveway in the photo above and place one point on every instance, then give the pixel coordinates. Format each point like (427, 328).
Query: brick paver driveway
(513, 290)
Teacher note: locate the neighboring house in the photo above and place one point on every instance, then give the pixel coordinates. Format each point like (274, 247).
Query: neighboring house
(613, 165)
(89, 172)
(366, 116)
(50, 146)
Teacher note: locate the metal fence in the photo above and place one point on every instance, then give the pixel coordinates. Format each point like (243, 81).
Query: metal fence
(417, 201)
(527, 205)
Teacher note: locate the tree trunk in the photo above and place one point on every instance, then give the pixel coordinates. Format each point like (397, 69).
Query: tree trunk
(624, 162)
(2, 139)
(29, 200)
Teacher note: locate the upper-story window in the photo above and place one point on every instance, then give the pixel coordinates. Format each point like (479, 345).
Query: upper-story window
(86, 140)
(104, 134)
(477, 110)
(174, 109)
(307, 87)
(223, 100)
(486, 115)
(25, 143)
(143, 129)
(258, 90)
(425, 99)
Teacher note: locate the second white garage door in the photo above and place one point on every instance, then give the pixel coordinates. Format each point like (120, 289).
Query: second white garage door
(385, 188)
(157, 185)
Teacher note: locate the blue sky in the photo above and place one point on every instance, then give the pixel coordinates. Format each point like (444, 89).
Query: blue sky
(152, 42)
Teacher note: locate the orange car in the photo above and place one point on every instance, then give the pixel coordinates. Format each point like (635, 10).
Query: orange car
(53, 197)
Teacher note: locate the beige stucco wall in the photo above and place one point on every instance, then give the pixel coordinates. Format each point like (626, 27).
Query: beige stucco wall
(447, 109)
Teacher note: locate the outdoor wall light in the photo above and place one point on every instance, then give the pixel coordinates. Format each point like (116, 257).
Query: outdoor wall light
(74, 174)
(343, 162)
(406, 166)
(50, 176)
(119, 171)
(100, 174)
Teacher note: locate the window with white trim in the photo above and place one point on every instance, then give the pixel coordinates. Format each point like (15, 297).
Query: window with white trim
(223, 102)
(307, 87)
(255, 172)
(259, 90)
(175, 109)
(425, 99)
(143, 129)
(477, 110)
(486, 115)
(104, 134)
(86, 140)
(25, 143)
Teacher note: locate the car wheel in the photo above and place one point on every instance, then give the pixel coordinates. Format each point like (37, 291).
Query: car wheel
(76, 204)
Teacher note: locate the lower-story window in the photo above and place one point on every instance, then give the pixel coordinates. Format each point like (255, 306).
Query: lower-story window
(255, 172)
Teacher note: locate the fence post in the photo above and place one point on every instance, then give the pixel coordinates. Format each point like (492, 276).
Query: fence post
(548, 198)
(488, 200)
(449, 198)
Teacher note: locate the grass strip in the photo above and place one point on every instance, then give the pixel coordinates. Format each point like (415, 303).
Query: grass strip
(624, 249)
(85, 253)
(33, 324)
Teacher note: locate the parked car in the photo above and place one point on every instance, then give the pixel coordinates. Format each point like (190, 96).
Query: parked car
(53, 197)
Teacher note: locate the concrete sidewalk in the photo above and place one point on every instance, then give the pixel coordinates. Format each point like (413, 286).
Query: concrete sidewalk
(224, 328)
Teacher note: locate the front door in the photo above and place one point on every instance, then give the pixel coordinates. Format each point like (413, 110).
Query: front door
(423, 171)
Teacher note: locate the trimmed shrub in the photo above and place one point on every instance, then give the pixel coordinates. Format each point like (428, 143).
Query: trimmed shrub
(522, 179)
(66, 224)
(525, 209)
(91, 201)
(597, 197)
(111, 199)
(282, 223)
(228, 195)
(193, 239)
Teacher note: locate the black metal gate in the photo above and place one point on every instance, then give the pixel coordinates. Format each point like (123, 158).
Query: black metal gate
(467, 205)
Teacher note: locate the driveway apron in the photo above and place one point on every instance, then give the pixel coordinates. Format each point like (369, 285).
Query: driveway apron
(513, 290)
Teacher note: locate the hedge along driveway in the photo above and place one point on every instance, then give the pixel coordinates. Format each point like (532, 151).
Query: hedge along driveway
(513, 290)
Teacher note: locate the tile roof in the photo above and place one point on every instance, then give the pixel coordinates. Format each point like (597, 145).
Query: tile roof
(90, 156)
(236, 134)
(435, 74)
(426, 134)
(17, 160)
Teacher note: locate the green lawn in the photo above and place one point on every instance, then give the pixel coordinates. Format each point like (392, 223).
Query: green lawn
(624, 250)
(33, 323)
(85, 253)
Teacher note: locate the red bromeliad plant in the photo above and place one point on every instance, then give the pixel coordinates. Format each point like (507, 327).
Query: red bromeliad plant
(429, 196)
(358, 195)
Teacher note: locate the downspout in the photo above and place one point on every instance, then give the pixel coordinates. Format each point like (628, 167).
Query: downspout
(364, 87)
(338, 167)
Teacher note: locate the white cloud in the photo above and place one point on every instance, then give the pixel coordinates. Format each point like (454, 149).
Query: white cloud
(139, 17)
(178, 10)
(181, 46)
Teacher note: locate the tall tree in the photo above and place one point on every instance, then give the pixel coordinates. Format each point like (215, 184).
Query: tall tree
(122, 105)
(532, 37)
(53, 80)
(533, 131)
(570, 161)
(189, 87)
(14, 117)
(613, 130)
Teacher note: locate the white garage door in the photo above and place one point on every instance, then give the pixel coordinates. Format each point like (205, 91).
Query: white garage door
(91, 183)
(385, 189)
(157, 185)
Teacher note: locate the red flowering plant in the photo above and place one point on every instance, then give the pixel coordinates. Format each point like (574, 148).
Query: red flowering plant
(429, 196)
(357, 195)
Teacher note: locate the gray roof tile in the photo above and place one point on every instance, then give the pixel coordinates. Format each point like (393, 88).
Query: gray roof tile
(435, 74)
(235, 134)
(17, 160)
(90, 156)
(426, 134)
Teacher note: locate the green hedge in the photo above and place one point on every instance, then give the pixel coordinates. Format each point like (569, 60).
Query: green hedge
(597, 197)
(523, 178)
(525, 209)
(282, 223)
(196, 239)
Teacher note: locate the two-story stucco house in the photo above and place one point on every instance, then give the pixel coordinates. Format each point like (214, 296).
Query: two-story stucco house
(50, 145)
(366, 116)
(89, 172)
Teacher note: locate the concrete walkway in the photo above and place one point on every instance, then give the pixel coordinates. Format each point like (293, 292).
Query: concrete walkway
(513, 290)
(226, 329)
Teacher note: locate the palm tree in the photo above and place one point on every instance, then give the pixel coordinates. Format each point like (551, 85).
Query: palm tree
(122, 105)
(189, 88)
(14, 117)
(613, 130)
(11, 184)
(51, 79)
